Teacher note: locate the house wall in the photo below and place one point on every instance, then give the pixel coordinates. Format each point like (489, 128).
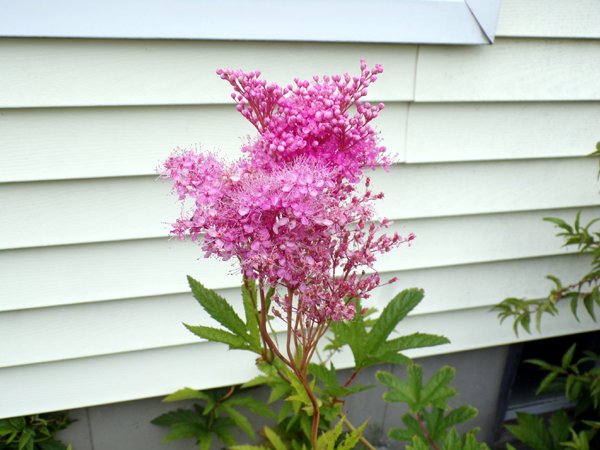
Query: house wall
(489, 139)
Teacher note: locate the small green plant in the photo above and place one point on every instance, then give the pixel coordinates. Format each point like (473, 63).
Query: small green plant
(583, 292)
(34, 432)
(578, 378)
(371, 341)
(216, 415)
(430, 422)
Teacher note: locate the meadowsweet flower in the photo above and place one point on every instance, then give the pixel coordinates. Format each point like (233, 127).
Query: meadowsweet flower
(291, 211)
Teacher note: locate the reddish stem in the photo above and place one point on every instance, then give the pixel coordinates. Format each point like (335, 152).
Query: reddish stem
(426, 433)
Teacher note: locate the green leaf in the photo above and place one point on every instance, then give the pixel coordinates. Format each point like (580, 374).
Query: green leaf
(400, 391)
(251, 404)
(559, 427)
(568, 357)
(218, 308)
(26, 441)
(392, 314)
(416, 394)
(205, 441)
(588, 302)
(531, 431)
(560, 223)
(51, 444)
(249, 447)
(185, 394)
(240, 420)
(250, 311)
(547, 381)
(574, 305)
(400, 434)
(415, 340)
(284, 412)
(328, 439)
(218, 335)
(274, 439)
(459, 415)
(352, 438)
(418, 444)
(354, 334)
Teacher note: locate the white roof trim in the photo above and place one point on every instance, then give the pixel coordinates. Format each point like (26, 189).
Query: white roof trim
(392, 21)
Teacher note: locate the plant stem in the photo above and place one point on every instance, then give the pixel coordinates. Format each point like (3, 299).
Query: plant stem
(426, 433)
(265, 333)
(361, 438)
(351, 378)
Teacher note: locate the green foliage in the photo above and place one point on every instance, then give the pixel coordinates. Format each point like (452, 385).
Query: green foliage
(430, 421)
(578, 378)
(35, 432)
(291, 409)
(534, 432)
(584, 292)
(369, 340)
(215, 416)
(241, 335)
(452, 441)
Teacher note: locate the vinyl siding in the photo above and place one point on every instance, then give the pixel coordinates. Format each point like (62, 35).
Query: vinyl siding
(488, 141)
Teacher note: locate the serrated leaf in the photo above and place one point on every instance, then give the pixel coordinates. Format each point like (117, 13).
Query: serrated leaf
(251, 404)
(415, 340)
(240, 420)
(418, 443)
(185, 394)
(436, 390)
(256, 381)
(396, 310)
(530, 430)
(559, 427)
(327, 440)
(452, 441)
(400, 391)
(460, 415)
(284, 412)
(352, 438)
(400, 434)
(218, 308)
(26, 441)
(274, 439)
(352, 333)
(250, 311)
(178, 416)
(218, 335)
(205, 441)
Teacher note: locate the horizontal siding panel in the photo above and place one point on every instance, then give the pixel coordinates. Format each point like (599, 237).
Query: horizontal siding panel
(83, 211)
(75, 383)
(75, 72)
(510, 70)
(549, 18)
(66, 332)
(496, 131)
(60, 143)
(91, 272)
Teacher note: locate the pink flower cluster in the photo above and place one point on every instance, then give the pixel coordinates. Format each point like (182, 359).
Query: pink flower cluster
(291, 211)
(310, 120)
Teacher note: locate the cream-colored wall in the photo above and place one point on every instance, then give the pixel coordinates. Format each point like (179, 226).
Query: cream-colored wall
(489, 141)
